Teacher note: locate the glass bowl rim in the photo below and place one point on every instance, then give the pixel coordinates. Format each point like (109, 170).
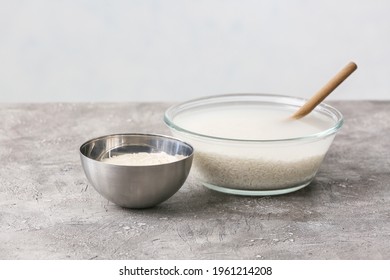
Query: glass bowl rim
(173, 110)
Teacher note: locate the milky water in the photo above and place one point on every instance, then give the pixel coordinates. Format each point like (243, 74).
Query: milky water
(253, 122)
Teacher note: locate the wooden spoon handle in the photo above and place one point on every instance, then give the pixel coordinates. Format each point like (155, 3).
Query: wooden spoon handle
(325, 91)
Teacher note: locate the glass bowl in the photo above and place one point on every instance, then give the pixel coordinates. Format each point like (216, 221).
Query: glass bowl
(239, 151)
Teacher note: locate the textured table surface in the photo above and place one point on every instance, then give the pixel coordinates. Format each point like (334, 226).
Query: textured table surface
(49, 211)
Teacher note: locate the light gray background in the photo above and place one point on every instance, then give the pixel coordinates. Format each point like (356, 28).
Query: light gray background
(174, 50)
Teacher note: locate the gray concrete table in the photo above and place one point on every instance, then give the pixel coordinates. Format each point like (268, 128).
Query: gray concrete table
(48, 210)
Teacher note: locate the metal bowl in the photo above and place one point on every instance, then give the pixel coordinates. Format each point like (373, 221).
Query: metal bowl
(135, 186)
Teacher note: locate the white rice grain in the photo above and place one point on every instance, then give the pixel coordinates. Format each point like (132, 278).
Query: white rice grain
(254, 173)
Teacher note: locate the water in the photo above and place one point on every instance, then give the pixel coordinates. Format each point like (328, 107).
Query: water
(252, 122)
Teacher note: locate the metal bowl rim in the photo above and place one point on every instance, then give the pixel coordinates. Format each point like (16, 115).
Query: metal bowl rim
(136, 134)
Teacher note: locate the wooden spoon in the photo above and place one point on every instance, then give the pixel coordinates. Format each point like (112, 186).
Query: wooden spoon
(325, 91)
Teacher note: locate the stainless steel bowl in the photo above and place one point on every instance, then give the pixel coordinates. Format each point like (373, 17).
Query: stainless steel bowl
(135, 186)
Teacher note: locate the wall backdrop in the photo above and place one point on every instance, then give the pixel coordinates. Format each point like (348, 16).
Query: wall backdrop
(174, 50)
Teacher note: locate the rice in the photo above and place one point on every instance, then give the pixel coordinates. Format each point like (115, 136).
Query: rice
(142, 159)
(248, 173)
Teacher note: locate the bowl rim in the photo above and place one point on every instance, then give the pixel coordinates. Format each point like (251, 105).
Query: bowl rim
(136, 134)
(197, 102)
